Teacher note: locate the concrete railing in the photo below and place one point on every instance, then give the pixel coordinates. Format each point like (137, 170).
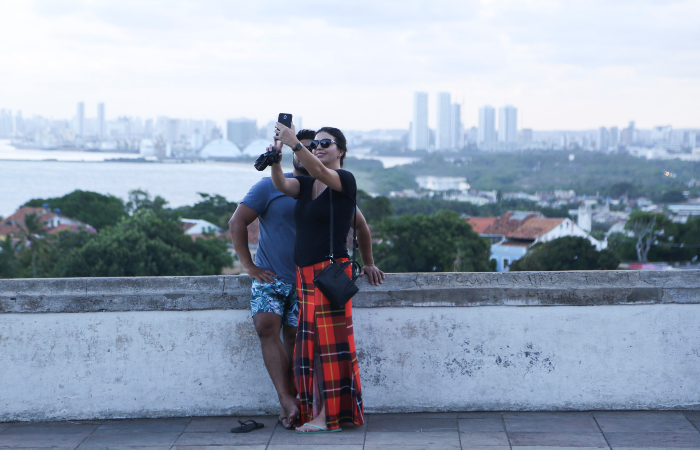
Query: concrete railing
(182, 346)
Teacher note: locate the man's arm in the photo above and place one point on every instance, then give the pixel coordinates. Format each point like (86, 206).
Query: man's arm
(242, 217)
(364, 244)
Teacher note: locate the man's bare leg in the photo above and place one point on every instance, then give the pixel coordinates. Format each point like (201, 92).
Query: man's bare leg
(277, 362)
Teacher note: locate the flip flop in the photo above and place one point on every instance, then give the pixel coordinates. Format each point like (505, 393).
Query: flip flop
(320, 429)
(247, 426)
(279, 421)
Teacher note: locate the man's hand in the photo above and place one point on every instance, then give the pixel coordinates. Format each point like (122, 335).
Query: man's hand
(263, 276)
(374, 275)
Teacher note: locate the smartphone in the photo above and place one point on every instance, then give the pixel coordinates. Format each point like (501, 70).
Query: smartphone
(285, 119)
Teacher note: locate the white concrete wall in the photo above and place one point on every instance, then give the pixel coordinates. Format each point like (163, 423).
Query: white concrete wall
(182, 363)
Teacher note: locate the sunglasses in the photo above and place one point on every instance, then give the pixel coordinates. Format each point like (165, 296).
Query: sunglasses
(324, 143)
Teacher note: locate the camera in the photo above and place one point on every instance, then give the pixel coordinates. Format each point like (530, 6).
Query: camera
(268, 159)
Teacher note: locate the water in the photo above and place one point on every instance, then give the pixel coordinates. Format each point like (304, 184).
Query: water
(25, 174)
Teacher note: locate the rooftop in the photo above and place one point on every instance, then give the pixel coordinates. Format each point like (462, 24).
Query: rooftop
(467, 430)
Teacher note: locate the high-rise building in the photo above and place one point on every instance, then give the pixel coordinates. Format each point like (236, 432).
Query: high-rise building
(456, 126)
(603, 140)
(6, 126)
(241, 131)
(80, 119)
(508, 124)
(443, 132)
(614, 136)
(419, 136)
(628, 134)
(487, 124)
(101, 120)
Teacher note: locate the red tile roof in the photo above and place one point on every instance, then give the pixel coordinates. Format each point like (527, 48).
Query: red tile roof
(479, 224)
(522, 225)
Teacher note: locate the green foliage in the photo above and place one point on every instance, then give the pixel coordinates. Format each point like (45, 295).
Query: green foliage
(427, 205)
(374, 209)
(213, 208)
(89, 207)
(145, 245)
(442, 242)
(670, 197)
(566, 253)
(140, 200)
(626, 189)
(9, 264)
(671, 242)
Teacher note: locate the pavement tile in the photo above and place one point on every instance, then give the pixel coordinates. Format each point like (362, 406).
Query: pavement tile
(314, 447)
(479, 415)
(646, 425)
(71, 440)
(637, 414)
(67, 427)
(480, 425)
(414, 416)
(352, 437)
(171, 425)
(529, 438)
(4, 426)
(478, 439)
(445, 439)
(565, 424)
(545, 414)
(108, 440)
(692, 415)
(540, 447)
(656, 448)
(252, 438)
(121, 447)
(664, 440)
(224, 424)
(219, 447)
(411, 424)
(423, 447)
(486, 447)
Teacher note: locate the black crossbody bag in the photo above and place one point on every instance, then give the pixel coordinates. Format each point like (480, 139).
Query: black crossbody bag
(333, 282)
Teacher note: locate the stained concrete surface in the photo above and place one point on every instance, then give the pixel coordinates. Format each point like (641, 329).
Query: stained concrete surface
(613, 430)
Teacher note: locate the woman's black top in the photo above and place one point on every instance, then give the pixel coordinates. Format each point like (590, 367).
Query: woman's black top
(313, 220)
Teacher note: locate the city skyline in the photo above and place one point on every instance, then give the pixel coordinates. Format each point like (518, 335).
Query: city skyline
(566, 65)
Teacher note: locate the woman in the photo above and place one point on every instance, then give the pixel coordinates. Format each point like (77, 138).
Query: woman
(325, 364)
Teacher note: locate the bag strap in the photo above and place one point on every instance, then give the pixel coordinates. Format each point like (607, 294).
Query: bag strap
(354, 230)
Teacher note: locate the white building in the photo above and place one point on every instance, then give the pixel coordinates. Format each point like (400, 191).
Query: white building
(487, 124)
(220, 148)
(508, 124)
(442, 183)
(603, 139)
(420, 136)
(101, 120)
(196, 226)
(443, 132)
(80, 119)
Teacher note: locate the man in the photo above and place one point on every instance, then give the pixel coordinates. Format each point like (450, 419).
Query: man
(273, 294)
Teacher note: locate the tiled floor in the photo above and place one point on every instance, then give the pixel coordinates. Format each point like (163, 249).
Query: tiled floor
(471, 430)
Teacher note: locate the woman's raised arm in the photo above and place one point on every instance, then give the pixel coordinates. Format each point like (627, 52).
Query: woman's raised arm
(287, 186)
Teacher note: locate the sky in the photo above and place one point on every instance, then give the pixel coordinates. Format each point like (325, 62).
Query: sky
(572, 64)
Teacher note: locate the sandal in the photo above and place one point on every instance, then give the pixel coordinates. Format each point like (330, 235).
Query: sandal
(320, 429)
(247, 426)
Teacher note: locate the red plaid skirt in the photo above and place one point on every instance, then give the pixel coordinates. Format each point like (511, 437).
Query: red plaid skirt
(325, 338)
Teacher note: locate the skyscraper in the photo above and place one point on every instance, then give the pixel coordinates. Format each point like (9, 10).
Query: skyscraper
(443, 132)
(80, 122)
(456, 126)
(101, 120)
(241, 131)
(487, 123)
(614, 136)
(418, 140)
(603, 139)
(508, 124)
(6, 126)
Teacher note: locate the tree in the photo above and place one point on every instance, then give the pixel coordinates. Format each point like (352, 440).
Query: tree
(33, 236)
(215, 209)
(145, 245)
(140, 200)
(642, 225)
(565, 253)
(442, 242)
(89, 207)
(373, 208)
(671, 197)
(9, 265)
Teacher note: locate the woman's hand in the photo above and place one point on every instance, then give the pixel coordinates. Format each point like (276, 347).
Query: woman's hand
(286, 135)
(374, 275)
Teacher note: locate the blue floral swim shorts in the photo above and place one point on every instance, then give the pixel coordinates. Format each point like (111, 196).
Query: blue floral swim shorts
(277, 297)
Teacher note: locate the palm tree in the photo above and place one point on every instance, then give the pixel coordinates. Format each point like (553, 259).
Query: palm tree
(8, 258)
(33, 236)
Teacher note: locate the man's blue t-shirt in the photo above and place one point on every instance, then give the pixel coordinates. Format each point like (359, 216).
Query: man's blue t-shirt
(277, 229)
